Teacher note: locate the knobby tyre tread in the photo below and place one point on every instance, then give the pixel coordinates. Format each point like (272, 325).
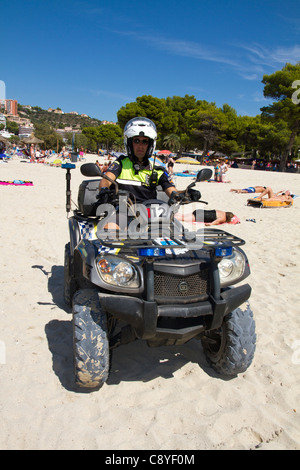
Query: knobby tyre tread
(230, 349)
(90, 340)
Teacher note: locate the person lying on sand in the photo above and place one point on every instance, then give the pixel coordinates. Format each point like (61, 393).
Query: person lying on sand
(211, 217)
(283, 196)
(250, 189)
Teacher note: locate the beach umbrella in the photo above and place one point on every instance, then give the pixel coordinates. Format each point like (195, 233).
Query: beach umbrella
(189, 160)
(157, 161)
(164, 152)
(32, 140)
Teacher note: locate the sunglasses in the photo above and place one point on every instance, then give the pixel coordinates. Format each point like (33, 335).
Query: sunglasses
(140, 141)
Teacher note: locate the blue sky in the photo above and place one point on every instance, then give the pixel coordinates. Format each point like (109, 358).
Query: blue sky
(95, 56)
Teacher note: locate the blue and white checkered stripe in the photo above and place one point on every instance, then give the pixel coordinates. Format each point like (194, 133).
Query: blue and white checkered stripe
(107, 250)
(88, 230)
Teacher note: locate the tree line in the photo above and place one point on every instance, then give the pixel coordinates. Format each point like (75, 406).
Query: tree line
(185, 123)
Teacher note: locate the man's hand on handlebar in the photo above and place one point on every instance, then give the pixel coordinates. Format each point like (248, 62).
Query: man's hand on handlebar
(182, 197)
(176, 196)
(105, 195)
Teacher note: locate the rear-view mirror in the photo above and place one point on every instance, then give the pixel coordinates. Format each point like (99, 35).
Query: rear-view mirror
(204, 175)
(90, 169)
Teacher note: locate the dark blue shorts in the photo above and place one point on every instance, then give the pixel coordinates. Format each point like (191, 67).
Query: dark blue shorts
(250, 189)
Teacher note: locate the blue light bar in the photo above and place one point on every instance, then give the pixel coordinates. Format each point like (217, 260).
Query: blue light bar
(70, 166)
(225, 251)
(151, 252)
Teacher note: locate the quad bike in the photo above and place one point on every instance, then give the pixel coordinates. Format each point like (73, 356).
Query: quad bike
(163, 283)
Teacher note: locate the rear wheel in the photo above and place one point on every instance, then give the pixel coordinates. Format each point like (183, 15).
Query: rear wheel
(230, 348)
(90, 340)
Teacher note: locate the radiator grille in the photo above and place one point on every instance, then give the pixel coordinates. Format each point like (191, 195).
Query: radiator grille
(180, 287)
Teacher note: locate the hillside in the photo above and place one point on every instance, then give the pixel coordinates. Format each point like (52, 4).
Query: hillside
(57, 121)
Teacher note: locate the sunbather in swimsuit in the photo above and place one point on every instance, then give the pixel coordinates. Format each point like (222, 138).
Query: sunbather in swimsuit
(283, 196)
(209, 217)
(250, 189)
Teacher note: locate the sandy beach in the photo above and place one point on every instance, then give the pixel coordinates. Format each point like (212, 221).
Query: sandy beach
(165, 398)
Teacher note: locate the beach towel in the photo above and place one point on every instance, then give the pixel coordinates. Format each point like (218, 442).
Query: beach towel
(16, 183)
(235, 220)
(254, 202)
(185, 174)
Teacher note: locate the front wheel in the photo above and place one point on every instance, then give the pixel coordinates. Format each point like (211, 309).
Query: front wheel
(230, 348)
(90, 340)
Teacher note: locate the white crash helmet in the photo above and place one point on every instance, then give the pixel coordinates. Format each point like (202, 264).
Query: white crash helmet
(140, 126)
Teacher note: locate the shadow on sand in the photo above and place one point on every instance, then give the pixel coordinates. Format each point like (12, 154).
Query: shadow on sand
(131, 362)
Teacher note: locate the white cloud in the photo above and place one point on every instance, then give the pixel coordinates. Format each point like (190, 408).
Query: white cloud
(287, 54)
(249, 76)
(273, 57)
(183, 48)
(191, 49)
(259, 97)
(250, 66)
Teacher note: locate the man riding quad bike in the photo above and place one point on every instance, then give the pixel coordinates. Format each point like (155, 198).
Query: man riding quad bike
(133, 271)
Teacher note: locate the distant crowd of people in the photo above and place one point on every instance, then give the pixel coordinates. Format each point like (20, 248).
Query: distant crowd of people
(220, 164)
(273, 166)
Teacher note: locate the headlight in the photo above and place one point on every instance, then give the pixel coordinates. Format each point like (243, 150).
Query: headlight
(231, 268)
(117, 271)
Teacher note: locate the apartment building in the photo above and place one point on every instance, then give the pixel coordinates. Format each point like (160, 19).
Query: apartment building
(10, 106)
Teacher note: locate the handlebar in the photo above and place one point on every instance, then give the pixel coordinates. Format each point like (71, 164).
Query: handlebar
(91, 169)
